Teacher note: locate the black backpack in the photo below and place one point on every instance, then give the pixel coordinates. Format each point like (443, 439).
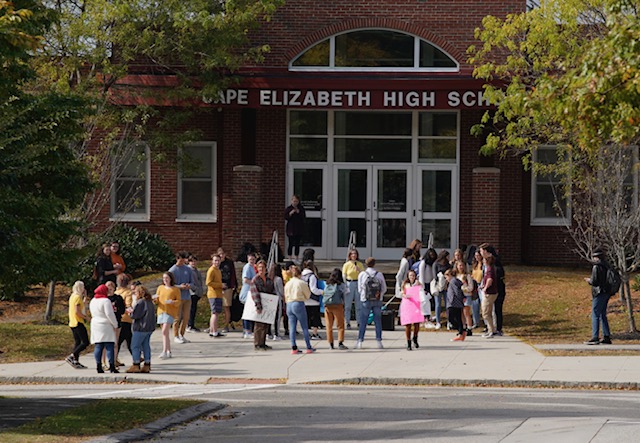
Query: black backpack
(612, 281)
(372, 287)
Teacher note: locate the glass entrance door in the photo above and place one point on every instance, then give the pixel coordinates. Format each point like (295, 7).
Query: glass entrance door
(437, 203)
(373, 202)
(310, 185)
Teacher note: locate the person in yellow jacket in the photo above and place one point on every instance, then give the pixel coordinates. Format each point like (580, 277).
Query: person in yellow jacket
(214, 294)
(350, 272)
(168, 300)
(77, 322)
(126, 333)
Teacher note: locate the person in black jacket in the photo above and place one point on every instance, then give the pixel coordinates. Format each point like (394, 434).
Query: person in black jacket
(294, 215)
(144, 323)
(599, 300)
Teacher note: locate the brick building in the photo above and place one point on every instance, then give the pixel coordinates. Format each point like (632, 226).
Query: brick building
(364, 109)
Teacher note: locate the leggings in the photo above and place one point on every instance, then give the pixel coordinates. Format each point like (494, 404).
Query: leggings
(125, 336)
(294, 245)
(81, 339)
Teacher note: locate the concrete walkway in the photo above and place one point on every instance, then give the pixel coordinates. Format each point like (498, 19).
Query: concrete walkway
(504, 361)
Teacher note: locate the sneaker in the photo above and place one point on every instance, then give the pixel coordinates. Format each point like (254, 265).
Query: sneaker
(469, 332)
(342, 346)
(71, 360)
(79, 365)
(459, 337)
(348, 325)
(474, 326)
(184, 340)
(266, 348)
(247, 335)
(163, 355)
(499, 333)
(429, 325)
(192, 329)
(270, 337)
(177, 340)
(359, 344)
(296, 351)
(276, 338)
(593, 341)
(315, 337)
(449, 326)
(605, 340)
(380, 344)
(217, 334)
(310, 351)
(487, 335)
(225, 330)
(438, 326)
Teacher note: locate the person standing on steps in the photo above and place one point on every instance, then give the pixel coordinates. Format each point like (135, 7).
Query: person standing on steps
(294, 215)
(599, 300)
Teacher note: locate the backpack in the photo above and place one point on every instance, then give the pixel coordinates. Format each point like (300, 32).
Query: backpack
(372, 287)
(612, 282)
(332, 295)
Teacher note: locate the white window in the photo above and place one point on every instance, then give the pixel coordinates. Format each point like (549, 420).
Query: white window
(374, 50)
(549, 205)
(130, 190)
(197, 199)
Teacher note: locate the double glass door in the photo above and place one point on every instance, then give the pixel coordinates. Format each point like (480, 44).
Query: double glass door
(386, 206)
(373, 202)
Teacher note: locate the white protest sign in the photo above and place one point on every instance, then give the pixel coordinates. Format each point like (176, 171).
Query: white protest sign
(269, 308)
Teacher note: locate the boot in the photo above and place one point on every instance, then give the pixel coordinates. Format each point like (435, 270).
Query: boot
(415, 341)
(100, 370)
(113, 369)
(146, 368)
(408, 345)
(469, 332)
(134, 369)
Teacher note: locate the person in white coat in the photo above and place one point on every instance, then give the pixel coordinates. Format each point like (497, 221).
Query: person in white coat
(103, 328)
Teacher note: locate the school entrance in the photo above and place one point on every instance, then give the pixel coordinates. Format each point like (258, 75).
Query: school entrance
(388, 177)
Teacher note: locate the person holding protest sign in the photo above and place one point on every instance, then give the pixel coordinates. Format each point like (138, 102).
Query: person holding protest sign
(261, 283)
(412, 292)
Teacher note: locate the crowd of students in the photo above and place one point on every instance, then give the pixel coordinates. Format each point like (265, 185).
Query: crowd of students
(127, 314)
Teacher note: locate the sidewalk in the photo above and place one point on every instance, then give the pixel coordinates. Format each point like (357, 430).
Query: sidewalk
(503, 361)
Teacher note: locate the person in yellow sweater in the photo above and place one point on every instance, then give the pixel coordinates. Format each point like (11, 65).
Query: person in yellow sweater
(350, 272)
(126, 334)
(168, 300)
(214, 294)
(77, 318)
(296, 292)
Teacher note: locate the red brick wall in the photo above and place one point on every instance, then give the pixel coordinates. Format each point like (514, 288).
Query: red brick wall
(448, 23)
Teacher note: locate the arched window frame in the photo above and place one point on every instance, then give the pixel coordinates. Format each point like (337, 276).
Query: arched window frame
(416, 57)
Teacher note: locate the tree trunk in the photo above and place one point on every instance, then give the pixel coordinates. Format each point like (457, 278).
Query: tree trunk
(632, 323)
(49, 310)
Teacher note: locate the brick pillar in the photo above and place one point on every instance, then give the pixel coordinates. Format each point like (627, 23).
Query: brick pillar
(247, 198)
(486, 206)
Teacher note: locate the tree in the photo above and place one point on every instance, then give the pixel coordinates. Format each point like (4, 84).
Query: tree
(41, 179)
(567, 73)
(94, 44)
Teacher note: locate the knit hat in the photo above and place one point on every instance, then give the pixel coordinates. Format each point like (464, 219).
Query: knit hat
(598, 253)
(101, 292)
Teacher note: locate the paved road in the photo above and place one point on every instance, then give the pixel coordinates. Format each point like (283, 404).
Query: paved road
(294, 413)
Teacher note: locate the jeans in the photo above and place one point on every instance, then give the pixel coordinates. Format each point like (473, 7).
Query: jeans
(475, 311)
(349, 299)
(368, 306)
(438, 298)
(141, 343)
(297, 313)
(97, 352)
(598, 315)
(247, 325)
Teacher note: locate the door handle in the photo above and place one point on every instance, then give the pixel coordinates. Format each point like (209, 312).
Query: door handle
(366, 216)
(322, 211)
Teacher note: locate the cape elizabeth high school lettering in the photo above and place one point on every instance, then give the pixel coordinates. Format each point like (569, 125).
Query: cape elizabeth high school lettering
(364, 110)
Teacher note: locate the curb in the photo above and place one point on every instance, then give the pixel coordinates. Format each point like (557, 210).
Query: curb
(150, 429)
(88, 380)
(550, 384)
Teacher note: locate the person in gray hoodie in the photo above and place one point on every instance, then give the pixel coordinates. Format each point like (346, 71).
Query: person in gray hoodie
(144, 323)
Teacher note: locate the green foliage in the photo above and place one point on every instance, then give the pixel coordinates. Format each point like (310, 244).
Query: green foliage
(140, 249)
(41, 180)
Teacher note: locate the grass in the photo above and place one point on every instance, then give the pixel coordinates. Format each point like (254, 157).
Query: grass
(100, 417)
(23, 342)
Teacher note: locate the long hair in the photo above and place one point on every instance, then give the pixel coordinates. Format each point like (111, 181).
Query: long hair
(142, 292)
(406, 280)
(78, 288)
(336, 277)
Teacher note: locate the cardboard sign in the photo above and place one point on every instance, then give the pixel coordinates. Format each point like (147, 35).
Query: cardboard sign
(410, 311)
(269, 308)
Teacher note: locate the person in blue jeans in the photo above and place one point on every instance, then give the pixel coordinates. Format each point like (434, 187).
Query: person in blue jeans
(296, 291)
(600, 298)
(371, 302)
(144, 323)
(248, 272)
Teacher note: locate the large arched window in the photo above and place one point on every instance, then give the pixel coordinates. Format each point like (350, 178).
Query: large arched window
(374, 50)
